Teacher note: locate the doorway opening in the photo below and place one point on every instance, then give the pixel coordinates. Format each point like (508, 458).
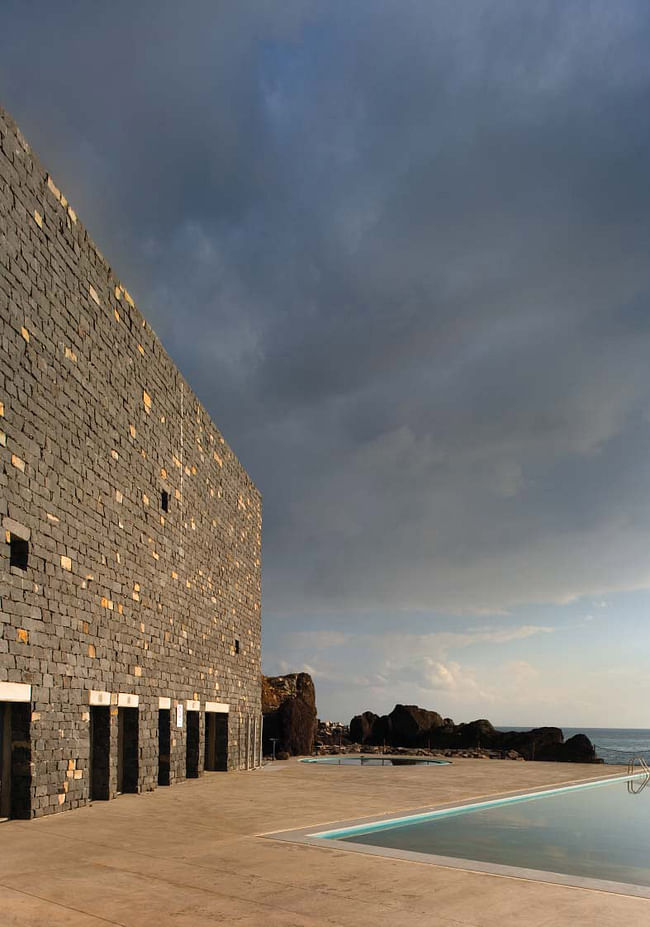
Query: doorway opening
(164, 745)
(100, 753)
(15, 760)
(192, 745)
(127, 750)
(216, 741)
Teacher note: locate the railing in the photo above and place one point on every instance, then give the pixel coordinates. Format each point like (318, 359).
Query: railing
(644, 768)
(636, 785)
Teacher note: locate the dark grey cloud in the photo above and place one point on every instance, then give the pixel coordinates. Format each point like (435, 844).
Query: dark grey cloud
(401, 252)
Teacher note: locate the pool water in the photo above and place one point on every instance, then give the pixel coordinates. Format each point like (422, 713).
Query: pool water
(375, 761)
(597, 831)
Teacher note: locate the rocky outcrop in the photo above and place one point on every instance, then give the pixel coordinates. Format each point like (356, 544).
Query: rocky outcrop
(361, 727)
(540, 743)
(415, 727)
(411, 726)
(473, 734)
(577, 749)
(405, 726)
(289, 709)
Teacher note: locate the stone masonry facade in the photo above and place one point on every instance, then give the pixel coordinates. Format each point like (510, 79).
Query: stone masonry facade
(130, 554)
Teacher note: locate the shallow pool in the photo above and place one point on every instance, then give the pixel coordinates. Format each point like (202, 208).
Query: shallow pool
(375, 761)
(596, 831)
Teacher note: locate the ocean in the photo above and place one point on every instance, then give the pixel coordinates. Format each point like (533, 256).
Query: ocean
(614, 745)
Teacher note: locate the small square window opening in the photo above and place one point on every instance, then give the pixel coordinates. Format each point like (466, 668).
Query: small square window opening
(236, 646)
(18, 552)
(164, 500)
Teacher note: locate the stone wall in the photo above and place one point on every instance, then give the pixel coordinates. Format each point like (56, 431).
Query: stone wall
(141, 528)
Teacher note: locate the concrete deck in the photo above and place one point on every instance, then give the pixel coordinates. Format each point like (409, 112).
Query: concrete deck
(189, 857)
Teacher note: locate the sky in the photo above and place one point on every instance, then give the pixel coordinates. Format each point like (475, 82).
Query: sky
(400, 251)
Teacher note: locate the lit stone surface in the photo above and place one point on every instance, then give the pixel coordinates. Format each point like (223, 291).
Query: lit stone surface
(89, 431)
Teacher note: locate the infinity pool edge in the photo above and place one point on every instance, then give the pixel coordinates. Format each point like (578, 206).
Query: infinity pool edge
(314, 836)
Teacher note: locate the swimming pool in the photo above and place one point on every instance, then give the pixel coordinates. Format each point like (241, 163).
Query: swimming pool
(376, 760)
(594, 834)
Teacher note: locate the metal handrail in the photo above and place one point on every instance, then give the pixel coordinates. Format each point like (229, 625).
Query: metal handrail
(642, 763)
(636, 785)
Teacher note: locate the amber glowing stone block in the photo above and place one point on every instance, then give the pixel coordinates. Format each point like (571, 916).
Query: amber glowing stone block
(53, 187)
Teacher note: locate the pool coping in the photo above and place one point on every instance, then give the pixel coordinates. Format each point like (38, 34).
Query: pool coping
(314, 836)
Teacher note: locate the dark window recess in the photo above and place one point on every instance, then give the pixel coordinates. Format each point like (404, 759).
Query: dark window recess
(164, 500)
(18, 552)
(236, 646)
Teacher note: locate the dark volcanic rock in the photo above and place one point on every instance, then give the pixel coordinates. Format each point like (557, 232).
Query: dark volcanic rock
(538, 744)
(577, 749)
(289, 707)
(382, 731)
(411, 727)
(478, 733)
(405, 726)
(361, 727)
(297, 723)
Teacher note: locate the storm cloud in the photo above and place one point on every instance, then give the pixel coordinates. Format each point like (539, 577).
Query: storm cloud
(400, 250)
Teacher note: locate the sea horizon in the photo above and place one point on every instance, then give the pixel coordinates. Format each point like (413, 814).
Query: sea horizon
(577, 727)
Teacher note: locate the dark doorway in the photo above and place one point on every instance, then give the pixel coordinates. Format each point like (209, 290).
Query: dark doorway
(164, 745)
(192, 745)
(216, 741)
(15, 760)
(127, 750)
(100, 753)
(5, 759)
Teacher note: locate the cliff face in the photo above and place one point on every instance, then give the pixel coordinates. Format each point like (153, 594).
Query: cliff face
(277, 689)
(289, 709)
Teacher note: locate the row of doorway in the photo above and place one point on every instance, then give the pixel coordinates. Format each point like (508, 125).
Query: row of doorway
(215, 747)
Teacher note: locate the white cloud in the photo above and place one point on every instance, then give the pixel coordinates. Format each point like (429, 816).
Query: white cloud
(318, 640)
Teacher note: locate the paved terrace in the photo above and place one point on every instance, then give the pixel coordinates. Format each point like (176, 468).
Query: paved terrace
(189, 857)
